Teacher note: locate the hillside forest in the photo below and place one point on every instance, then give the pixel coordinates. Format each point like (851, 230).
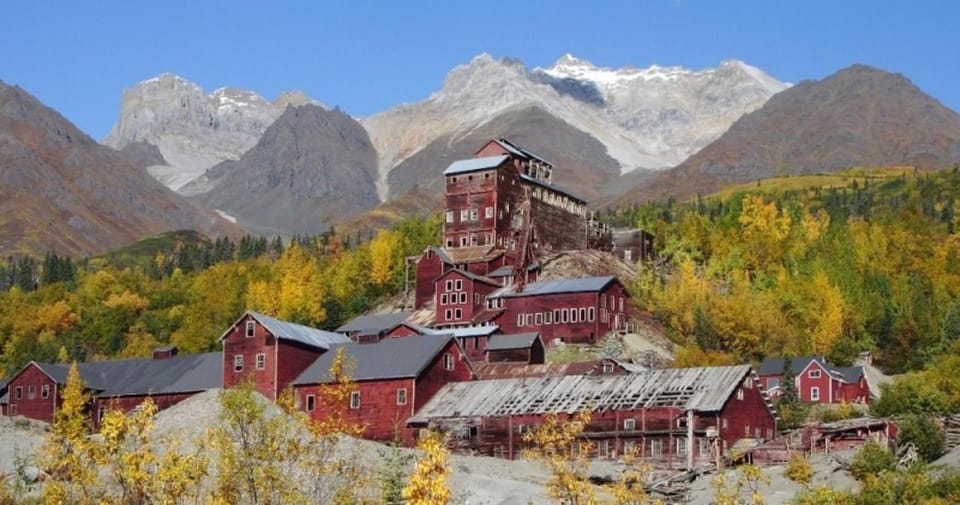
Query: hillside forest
(867, 260)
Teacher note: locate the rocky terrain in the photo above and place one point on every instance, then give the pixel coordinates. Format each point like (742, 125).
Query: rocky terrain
(859, 116)
(192, 130)
(62, 191)
(313, 167)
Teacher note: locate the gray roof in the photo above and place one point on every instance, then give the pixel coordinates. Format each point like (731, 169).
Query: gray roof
(849, 374)
(474, 164)
(553, 187)
(179, 374)
(519, 150)
(775, 366)
(285, 330)
(696, 389)
(472, 276)
(373, 322)
(391, 358)
(513, 341)
(586, 284)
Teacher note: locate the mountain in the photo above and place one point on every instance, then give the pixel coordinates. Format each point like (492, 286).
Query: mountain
(859, 116)
(313, 167)
(650, 118)
(193, 131)
(62, 191)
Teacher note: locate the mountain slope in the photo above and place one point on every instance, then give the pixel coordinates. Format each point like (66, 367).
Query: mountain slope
(313, 167)
(192, 130)
(60, 190)
(644, 118)
(859, 116)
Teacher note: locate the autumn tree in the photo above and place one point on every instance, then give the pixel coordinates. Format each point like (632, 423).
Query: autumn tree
(428, 484)
(557, 444)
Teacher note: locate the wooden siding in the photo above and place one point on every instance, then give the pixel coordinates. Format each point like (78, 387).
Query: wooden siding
(293, 358)
(128, 403)
(429, 267)
(435, 375)
(379, 413)
(237, 343)
(33, 406)
(589, 331)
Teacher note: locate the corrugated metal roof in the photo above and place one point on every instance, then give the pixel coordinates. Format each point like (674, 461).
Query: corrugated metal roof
(519, 371)
(774, 366)
(179, 374)
(696, 389)
(5, 397)
(373, 322)
(474, 164)
(585, 284)
(468, 331)
(391, 358)
(513, 341)
(285, 330)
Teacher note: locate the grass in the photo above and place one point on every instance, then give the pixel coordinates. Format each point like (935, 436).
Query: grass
(801, 182)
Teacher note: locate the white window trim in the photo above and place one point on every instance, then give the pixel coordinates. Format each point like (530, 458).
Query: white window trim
(401, 396)
(449, 216)
(815, 394)
(448, 362)
(45, 391)
(355, 400)
(629, 424)
(488, 213)
(311, 403)
(458, 314)
(238, 362)
(814, 373)
(261, 361)
(250, 330)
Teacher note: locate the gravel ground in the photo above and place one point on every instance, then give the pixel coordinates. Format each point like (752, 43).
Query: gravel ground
(18, 436)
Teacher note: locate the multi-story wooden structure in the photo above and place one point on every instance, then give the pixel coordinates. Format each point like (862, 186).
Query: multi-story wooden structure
(393, 379)
(271, 353)
(681, 416)
(36, 390)
(816, 380)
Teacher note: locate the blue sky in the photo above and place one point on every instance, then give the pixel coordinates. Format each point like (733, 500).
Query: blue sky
(364, 56)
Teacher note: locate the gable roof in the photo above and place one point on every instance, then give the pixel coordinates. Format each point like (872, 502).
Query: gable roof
(515, 149)
(472, 276)
(373, 322)
(133, 377)
(697, 389)
(507, 270)
(391, 358)
(513, 341)
(285, 330)
(775, 366)
(474, 164)
(582, 285)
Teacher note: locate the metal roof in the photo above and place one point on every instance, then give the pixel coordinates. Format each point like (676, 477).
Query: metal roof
(522, 370)
(5, 397)
(472, 276)
(775, 366)
(553, 187)
(586, 284)
(373, 322)
(133, 377)
(513, 341)
(474, 164)
(696, 389)
(285, 330)
(391, 358)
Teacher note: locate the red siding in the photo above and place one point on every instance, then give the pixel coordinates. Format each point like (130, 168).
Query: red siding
(293, 359)
(37, 407)
(401, 331)
(435, 375)
(128, 403)
(475, 347)
(429, 267)
(746, 418)
(379, 413)
(468, 196)
(237, 343)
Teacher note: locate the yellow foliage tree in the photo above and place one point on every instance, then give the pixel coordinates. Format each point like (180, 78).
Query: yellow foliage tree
(828, 314)
(302, 291)
(385, 257)
(262, 297)
(428, 484)
(556, 443)
(765, 229)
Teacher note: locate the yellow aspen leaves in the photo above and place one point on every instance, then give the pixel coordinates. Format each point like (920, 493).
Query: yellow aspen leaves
(428, 484)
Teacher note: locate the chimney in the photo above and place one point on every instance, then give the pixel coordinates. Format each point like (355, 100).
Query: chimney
(164, 352)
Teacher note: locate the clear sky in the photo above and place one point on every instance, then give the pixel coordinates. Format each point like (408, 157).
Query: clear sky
(78, 56)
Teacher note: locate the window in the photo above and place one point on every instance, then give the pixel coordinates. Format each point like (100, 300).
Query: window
(250, 328)
(573, 315)
(603, 301)
(402, 396)
(603, 315)
(457, 314)
(18, 392)
(464, 215)
(746, 430)
(748, 383)
(656, 448)
(607, 367)
(45, 391)
(814, 374)
(681, 446)
(583, 314)
(448, 361)
(520, 320)
(814, 394)
(448, 314)
(548, 317)
(724, 424)
(463, 297)
(564, 315)
(31, 392)
(355, 400)
(528, 319)
(449, 285)
(704, 446)
(773, 382)
(459, 284)
(474, 214)
(739, 394)
(237, 362)
(538, 320)
(449, 216)
(488, 212)
(261, 361)
(449, 242)
(629, 424)
(621, 304)
(591, 314)
(556, 316)
(463, 241)
(311, 403)
(443, 299)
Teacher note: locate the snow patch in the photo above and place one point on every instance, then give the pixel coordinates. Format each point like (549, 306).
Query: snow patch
(226, 216)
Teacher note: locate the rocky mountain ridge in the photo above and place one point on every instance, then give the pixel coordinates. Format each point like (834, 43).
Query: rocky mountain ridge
(194, 130)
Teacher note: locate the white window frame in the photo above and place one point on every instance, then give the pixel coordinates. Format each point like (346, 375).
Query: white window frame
(459, 285)
(591, 314)
(748, 383)
(238, 362)
(656, 447)
(564, 316)
(474, 214)
(31, 391)
(45, 391)
(739, 393)
(488, 213)
(464, 215)
(443, 299)
(548, 317)
(704, 446)
(401, 396)
(815, 394)
(250, 329)
(814, 373)
(261, 361)
(528, 319)
(538, 319)
(449, 285)
(18, 393)
(520, 320)
(583, 314)
(354, 400)
(448, 362)
(463, 297)
(311, 403)
(629, 424)
(448, 314)
(458, 314)
(449, 216)
(681, 446)
(573, 315)
(463, 241)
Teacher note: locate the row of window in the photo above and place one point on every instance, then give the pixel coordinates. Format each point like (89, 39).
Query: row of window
(469, 215)
(32, 392)
(612, 300)
(453, 314)
(453, 298)
(470, 177)
(310, 402)
(261, 362)
(557, 316)
(472, 239)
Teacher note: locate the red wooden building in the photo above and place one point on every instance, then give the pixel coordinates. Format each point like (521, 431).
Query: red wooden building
(371, 328)
(271, 353)
(816, 380)
(461, 296)
(394, 378)
(526, 348)
(569, 310)
(680, 416)
(35, 391)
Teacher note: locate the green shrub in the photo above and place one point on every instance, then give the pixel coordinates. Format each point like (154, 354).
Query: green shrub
(799, 469)
(924, 432)
(871, 460)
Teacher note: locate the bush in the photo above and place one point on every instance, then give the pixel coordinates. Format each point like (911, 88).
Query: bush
(924, 432)
(871, 460)
(799, 469)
